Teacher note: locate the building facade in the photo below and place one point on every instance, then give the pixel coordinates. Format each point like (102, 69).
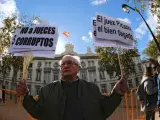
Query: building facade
(47, 70)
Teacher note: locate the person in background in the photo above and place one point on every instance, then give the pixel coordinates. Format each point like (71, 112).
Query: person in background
(71, 98)
(150, 93)
(3, 94)
(156, 67)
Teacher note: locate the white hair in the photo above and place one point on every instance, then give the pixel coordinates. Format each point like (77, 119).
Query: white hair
(76, 59)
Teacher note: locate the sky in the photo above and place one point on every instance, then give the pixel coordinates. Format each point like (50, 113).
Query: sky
(75, 17)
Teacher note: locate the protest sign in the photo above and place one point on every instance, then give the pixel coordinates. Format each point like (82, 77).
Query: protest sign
(108, 28)
(39, 40)
(36, 40)
(37, 37)
(106, 42)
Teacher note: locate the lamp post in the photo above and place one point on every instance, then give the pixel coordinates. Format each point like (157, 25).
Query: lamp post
(126, 9)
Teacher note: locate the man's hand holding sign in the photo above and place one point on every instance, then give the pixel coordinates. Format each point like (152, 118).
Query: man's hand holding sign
(121, 86)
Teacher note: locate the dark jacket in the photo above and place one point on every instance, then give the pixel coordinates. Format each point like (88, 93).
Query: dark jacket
(51, 102)
(151, 89)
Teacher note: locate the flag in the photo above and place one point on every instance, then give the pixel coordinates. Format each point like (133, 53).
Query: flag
(66, 34)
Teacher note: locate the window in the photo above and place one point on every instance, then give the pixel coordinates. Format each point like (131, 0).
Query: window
(55, 76)
(102, 75)
(47, 76)
(38, 90)
(139, 67)
(29, 87)
(89, 63)
(104, 88)
(55, 65)
(46, 64)
(29, 75)
(92, 75)
(130, 83)
(84, 76)
(83, 64)
(49, 64)
(93, 63)
(137, 81)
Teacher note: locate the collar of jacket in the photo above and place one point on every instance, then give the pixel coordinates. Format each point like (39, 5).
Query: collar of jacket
(70, 81)
(80, 88)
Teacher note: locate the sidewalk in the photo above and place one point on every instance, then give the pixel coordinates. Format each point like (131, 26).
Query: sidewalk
(12, 111)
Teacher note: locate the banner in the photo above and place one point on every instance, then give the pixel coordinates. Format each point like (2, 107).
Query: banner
(35, 37)
(40, 39)
(107, 28)
(106, 42)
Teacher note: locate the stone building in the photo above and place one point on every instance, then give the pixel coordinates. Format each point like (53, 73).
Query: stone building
(46, 70)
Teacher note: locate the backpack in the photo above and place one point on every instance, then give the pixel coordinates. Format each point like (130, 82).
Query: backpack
(141, 94)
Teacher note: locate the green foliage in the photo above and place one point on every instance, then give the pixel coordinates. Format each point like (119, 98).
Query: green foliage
(109, 60)
(9, 26)
(151, 51)
(5, 67)
(142, 5)
(155, 10)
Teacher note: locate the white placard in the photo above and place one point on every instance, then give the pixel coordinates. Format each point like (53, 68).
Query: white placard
(112, 29)
(37, 37)
(106, 42)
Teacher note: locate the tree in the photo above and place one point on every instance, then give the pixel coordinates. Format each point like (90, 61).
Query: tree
(155, 10)
(151, 50)
(5, 67)
(142, 5)
(109, 60)
(9, 26)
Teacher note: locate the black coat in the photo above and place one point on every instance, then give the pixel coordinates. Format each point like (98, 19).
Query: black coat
(51, 102)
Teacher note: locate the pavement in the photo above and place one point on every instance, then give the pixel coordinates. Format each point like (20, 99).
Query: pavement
(12, 111)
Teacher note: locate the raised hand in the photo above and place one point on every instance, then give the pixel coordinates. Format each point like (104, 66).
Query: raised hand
(22, 88)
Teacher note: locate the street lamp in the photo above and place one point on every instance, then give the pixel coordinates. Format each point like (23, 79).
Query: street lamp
(127, 8)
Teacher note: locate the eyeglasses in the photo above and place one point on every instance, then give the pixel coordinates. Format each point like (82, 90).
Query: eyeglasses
(69, 63)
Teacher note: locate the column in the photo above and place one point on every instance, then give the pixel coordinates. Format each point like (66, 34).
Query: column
(51, 76)
(97, 74)
(42, 73)
(107, 75)
(34, 72)
(88, 78)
